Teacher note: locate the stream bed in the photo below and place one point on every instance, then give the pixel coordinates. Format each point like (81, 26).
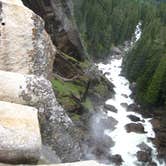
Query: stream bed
(127, 144)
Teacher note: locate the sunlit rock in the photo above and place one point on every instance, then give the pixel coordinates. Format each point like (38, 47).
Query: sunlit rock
(20, 139)
(25, 47)
(56, 126)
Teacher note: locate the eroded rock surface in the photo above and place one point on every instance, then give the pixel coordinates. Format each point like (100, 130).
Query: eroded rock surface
(20, 139)
(25, 46)
(135, 127)
(56, 127)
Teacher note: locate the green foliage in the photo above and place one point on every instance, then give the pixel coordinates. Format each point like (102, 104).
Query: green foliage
(66, 88)
(88, 104)
(146, 62)
(103, 23)
(65, 91)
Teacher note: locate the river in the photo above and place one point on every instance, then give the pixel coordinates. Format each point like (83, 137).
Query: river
(126, 144)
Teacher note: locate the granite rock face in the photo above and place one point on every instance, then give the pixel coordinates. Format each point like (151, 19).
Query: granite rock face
(25, 45)
(20, 140)
(60, 24)
(56, 127)
(26, 63)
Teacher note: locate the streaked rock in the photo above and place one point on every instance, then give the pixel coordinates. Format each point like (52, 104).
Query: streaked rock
(20, 139)
(56, 126)
(25, 47)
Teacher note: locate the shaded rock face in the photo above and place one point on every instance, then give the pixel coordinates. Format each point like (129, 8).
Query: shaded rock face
(143, 156)
(60, 24)
(20, 140)
(133, 127)
(25, 46)
(117, 159)
(110, 108)
(133, 107)
(66, 66)
(159, 126)
(133, 118)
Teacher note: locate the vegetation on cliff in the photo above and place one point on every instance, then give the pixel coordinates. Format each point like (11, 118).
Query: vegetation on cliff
(79, 84)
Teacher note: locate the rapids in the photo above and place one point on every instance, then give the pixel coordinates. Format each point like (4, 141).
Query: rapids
(126, 144)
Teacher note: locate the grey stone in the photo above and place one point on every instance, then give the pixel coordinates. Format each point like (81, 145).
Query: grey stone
(143, 156)
(26, 49)
(20, 139)
(110, 108)
(133, 118)
(135, 127)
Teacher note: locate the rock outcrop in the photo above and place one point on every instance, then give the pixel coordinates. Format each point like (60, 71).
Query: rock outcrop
(55, 124)
(20, 140)
(60, 24)
(25, 46)
(26, 62)
(135, 127)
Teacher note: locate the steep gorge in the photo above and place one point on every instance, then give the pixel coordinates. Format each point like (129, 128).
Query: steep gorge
(29, 60)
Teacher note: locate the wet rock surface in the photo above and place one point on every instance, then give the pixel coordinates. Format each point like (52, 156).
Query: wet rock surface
(124, 95)
(135, 127)
(110, 108)
(133, 107)
(125, 105)
(143, 156)
(117, 159)
(146, 148)
(133, 118)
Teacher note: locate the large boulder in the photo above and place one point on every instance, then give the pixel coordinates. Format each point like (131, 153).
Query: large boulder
(110, 108)
(117, 159)
(133, 118)
(133, 108)
(56, 127)
(20, 139)
(25, 45)
(143, 156)
(60, 24)
(135, 127)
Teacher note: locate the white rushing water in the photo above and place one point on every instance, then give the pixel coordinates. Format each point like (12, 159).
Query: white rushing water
(126, 144)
